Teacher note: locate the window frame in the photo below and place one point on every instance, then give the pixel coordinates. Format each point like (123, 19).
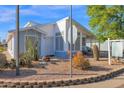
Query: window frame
(59, 35)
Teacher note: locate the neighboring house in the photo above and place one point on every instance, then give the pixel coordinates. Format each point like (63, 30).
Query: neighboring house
(4, 43)
(52, 38)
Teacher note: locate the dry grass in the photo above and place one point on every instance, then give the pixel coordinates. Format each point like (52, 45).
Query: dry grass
(3, 62)
(3, 58)
(2, 49)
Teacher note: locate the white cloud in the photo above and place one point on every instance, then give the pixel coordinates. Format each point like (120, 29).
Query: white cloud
(29, 12)
(6, 14)
(3, 35)
(50, 7)
(56, 7)
(47, 12)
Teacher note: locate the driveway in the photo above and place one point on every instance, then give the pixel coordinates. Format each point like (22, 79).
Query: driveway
(117, 82)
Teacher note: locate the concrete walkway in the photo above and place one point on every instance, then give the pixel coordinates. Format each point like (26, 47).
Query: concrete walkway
(117, 82)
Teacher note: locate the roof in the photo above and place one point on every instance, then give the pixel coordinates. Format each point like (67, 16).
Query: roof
(31, 23)
(11, 33)
(84, 30)
(34, 26)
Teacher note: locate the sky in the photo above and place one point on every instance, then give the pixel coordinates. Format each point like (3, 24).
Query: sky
(39, 14)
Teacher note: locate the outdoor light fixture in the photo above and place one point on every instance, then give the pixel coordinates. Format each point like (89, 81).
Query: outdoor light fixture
(17, 40)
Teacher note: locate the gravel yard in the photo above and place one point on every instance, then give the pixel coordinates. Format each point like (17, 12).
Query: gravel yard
(57, 70)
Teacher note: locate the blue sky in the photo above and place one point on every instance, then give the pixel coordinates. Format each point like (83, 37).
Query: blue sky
(40, 14)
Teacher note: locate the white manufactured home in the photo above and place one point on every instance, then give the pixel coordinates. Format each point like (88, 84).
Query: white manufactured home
(52, 38)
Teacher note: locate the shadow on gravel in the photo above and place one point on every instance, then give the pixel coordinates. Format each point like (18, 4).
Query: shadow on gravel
(121, 86)
(12, 73)
(99, 68)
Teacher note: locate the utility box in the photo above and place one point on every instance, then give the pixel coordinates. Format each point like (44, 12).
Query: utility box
(117, 49)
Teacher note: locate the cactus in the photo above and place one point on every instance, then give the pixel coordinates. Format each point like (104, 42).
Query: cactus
(95, 52)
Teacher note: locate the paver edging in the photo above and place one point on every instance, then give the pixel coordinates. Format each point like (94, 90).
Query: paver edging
(62, 82)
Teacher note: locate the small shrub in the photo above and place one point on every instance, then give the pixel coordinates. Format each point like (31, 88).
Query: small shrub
(2, 49)
(95, 52)
(12, 64)
(26, 59)
(3, 61)
(30, 55)
(80, 62)
(23, 62)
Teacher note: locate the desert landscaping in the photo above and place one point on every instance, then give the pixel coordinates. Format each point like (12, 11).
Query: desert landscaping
(57, 69)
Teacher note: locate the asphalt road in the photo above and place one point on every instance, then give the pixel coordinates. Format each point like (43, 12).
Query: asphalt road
(117, 82)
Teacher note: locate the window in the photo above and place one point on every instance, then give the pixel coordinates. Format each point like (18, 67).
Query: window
(83, 41)
(59, 42)
(77, 44)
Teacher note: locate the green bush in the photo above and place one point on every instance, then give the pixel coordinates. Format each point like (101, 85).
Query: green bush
(12, 64)
(2, 49)
(23, 62)
(4, 64)
(30, 55)
(3, 61)
(26, 59)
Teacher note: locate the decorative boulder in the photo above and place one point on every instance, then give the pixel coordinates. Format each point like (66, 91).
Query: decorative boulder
(46, 58)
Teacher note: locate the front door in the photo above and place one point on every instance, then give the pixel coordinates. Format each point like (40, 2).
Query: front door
(47, 46)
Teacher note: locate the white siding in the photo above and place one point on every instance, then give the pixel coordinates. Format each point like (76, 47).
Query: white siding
(11, 47)
(61, 27)
(48, 45)
(48, 29)
(103, 45)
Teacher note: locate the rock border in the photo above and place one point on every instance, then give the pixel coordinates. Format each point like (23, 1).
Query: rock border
(61, 82)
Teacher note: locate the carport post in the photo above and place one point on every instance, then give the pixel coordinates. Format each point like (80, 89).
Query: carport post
(109, 55)
(17, 40)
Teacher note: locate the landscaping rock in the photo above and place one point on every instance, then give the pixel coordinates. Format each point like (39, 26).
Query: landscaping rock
(27, 86)
(36, 86)
(24, 83)
(4, 85)
(32, 83)
(1, 82)
(16, 83)
(19, 86)
(11, 86)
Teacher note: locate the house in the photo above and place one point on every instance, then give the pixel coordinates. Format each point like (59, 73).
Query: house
(4, 43)
(52, 38)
